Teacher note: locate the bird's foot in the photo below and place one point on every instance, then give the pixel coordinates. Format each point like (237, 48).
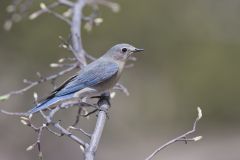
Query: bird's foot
(103, 98)
(103, 103)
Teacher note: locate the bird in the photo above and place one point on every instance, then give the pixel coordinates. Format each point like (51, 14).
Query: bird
(94, 79)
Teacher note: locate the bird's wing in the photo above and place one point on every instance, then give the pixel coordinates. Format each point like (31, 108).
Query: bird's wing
(92, 75)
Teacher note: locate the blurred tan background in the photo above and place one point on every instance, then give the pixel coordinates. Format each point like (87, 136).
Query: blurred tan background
(191, 59)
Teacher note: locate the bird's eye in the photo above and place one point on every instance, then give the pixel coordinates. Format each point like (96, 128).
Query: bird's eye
(124, 50)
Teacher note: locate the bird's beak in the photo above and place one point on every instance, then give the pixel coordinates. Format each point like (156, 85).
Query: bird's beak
(137, 50)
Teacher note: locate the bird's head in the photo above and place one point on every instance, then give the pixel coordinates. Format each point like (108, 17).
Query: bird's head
(121, 52)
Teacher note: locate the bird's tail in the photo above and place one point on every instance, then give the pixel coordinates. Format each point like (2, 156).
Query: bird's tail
(47, 103)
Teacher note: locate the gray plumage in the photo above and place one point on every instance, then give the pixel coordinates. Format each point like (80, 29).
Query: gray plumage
(94, 79)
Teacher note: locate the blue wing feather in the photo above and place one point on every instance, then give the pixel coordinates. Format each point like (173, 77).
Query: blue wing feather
(92, 75)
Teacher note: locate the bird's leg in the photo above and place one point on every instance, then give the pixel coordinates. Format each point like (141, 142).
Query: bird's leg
(89, 113)
(80, 109)
(105, 97)
(77, 117)
(102, 99)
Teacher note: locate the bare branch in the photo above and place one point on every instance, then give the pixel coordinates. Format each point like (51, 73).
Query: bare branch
(59, 16)
(35, 83)
(96, 136)
(13, 113)
(66, 2)
(112, 5)
(122, 88)
(60, 128)
(36, 14)
(81, 130)
(180, 138)
(76, 32)
(70, 135)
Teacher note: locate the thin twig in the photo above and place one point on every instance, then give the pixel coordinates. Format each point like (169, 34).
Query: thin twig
(70, 135)
(63, 131)
(122, 88)
(59, 16)
(39, 130)
(13, 113)
(42, 11)
(81, 130)
(48, 8)
(181, 137)
(35, 83)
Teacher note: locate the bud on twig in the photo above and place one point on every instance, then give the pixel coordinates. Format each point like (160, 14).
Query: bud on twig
(54, 65)
(98, 21)
(199, 113)
(82, 148)
(24, 122)
(113, 94)
(197, 138)
(35, 96)
(29, 148)
(43, 6)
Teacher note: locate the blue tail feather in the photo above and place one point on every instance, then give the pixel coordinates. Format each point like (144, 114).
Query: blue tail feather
(48, 102)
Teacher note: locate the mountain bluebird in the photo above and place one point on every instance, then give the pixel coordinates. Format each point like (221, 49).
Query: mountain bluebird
(94, 79)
